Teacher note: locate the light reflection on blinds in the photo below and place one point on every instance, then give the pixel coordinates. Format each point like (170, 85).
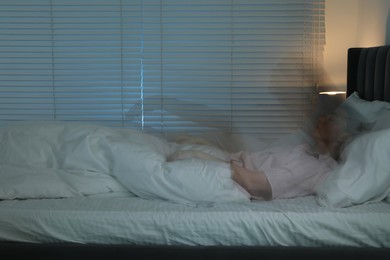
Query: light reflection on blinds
(245, 66)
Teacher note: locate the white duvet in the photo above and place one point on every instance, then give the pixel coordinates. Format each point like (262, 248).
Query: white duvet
(55, 160)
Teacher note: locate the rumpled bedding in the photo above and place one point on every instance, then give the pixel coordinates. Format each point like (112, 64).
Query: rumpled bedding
(57, 160)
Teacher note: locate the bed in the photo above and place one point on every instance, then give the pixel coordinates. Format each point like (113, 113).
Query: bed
(121, 225)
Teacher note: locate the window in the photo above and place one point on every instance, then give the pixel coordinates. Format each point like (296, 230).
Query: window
(238, 66)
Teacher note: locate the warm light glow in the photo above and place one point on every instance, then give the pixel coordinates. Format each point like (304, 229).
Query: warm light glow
(332, 93)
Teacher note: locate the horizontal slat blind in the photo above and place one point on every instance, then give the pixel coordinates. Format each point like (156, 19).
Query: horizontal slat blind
(26, 81)
(87, 60)
(245, 66)
(69, 60)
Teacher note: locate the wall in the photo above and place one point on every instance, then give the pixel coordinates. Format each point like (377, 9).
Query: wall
(373, 21)
(352, 23)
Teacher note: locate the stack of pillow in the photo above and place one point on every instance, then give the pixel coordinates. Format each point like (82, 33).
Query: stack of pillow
(363, 174)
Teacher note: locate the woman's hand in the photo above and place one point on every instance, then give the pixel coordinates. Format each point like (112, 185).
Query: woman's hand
(255, 183)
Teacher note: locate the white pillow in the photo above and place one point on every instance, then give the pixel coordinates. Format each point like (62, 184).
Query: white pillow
(383, 121)
(363, 175)
(361, 114)
(19, 182)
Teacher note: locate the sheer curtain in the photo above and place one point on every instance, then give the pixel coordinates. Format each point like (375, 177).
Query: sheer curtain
(237, 66)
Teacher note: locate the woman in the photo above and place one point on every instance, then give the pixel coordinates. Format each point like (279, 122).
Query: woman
(149, 166)
(295, 172)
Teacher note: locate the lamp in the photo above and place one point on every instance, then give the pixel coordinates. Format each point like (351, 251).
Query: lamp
(330, 90)
(329, 97)
(332, 93)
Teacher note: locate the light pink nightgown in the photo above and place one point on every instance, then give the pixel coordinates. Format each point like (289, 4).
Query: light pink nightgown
(291, 172)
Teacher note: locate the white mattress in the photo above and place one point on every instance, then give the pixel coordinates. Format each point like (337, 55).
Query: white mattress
(131, 220)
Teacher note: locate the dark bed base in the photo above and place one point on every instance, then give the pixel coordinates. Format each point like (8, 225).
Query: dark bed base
(118, 252)
(367, 74)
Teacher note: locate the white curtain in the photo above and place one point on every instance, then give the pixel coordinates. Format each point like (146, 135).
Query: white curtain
(237, 66)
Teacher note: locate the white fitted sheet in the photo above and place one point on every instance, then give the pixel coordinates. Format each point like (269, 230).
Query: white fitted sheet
(131, 220)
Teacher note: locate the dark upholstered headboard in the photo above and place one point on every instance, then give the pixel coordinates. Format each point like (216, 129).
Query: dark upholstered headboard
(368, 72)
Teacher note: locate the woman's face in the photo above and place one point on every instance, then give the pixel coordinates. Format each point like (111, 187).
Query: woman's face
(330, 127)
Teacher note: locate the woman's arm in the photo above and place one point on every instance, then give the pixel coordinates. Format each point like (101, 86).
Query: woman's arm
(255, 183)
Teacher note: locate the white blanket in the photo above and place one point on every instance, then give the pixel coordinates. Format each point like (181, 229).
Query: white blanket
(55, 160)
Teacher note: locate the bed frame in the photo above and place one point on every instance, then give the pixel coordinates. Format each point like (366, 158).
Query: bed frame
(368, 74)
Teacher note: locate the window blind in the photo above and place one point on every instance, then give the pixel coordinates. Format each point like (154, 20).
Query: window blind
(246, 67)
(67, 60)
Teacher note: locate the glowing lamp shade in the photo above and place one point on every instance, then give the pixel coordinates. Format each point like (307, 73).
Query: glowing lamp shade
(332, 93)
